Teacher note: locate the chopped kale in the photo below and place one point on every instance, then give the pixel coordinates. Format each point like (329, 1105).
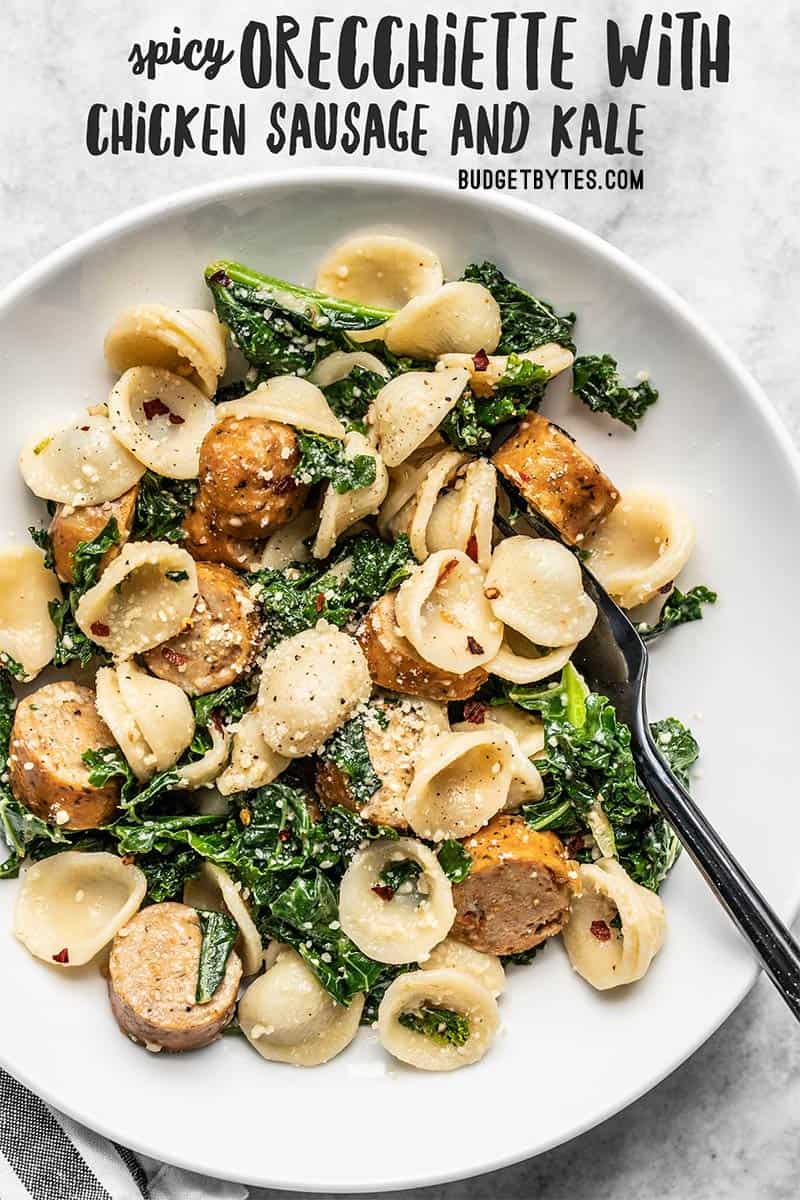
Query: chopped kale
(680, 608)
(41, 538)
(349, 398)
(226, 705)
(110, 763)
(596, 381)
(677, 745)
(396, 872)
(219, 932)
(346, 832)
(72, 644)
(161, 505)
(10, 667)
(527, 322)
(454, 860)
(441, 1025)
(166, 873)
(522, 958)
(323, 460)
(376, 993)
(347, 749)
(468, 426)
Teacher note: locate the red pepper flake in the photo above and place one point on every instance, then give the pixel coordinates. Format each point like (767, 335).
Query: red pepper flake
(474, 646)
(174, 419)
(492, 593)
(128, 859)
(220, 277)
(245, 816)
(287, 484)
(85, 428)
(600, 930)
(319, 601)
(216, 720)
(474, 712)
(480, 361)
(384, 891)
(525, 477)
(62, 956)
(99, 629)
(472, 547)
(574, 845)
(667, 588)
(173, 657)
(155, 408)
(446, 570)
(284, 834)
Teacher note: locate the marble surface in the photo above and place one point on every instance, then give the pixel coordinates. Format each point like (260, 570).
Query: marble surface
(717, 221)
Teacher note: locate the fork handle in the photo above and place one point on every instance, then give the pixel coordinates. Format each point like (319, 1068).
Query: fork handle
(771, 940)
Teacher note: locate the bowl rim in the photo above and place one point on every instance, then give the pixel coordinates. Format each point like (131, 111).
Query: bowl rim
(140, 217)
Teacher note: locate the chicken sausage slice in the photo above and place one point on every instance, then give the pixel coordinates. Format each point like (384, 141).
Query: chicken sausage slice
(207, 544)
(70, 526)
(247, 485)
(217, 646)
(53, 728)
(518, 890)
(152, 980)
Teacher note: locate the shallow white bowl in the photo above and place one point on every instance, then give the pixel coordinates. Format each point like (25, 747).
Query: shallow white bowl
(567, 1057)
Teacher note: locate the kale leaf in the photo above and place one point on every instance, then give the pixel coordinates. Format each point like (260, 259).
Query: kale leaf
(677, 745)
(71, 642)
(347, 749)
(110, 763)
(41, 538)
(349, 398)
(219, 932)
(227, 705)
(441, 1025)
(527, 322)
(519, 390)
(166, 872)
(396, 872)
(161, 505)
(454, 860)
(323, 459)
(680, 608)
(596, 381)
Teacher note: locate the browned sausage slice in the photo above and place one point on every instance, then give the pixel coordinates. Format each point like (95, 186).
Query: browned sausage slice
(395, 665)
(247, 485)
(518, 890)
(217, 646)
(207, 544)
(152, 979)
(556, 477)
(70, 526)
(52, 728)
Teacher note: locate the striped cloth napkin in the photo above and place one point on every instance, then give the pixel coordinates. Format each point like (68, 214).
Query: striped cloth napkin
(46, 1156)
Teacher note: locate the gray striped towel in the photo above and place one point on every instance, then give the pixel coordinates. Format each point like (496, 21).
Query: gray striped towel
(46, 1156)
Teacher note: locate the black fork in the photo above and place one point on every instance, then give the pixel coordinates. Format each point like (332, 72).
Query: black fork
(613, 658)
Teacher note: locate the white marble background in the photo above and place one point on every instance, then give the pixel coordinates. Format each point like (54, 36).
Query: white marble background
(718, 222)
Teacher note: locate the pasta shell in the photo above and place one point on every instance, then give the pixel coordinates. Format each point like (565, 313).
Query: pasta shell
(406, 479)
(213, 889)
(535, 586)
(527, 729)
(162, 419)
(410, 407)
(406, 926)
(415, 517)
(311, 684)
(253, 763)
(204, 771)
(463, 519)
(526, 782)
(340, 363)
(287, 1016)
(79, 464)
(442, 611)
(445, 988)
(460, 318)
(641, 547)
(288, 545)
(485, 969)
(71, 905)
(483, 379)
(123, 724)
(379, 270)
(135, 605)
(461, 780)
(26, 589)
(162, 712)
(289, 400)
(605, 956)
(187, 341)
(340, 512)
(519, 661)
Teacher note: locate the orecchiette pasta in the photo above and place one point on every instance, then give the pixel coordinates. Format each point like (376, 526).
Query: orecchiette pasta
(485, 375)
(409, 407)
(458, 318)
(448, 989)
(379, 270)
(71, 905)
(414, 518)
(340, 511)
(338, 366)
(144, 597)
(288, 1017)
(151, 719)
(462, 519)
(288, 545)
(311, 684)
(406, 479)
(206, 770)
(442, 611)
(461, 780)
(289, 400)
(187, 341)
(253, 763)
(604, 954)
(527, 729)
(641, 547)
(534, 585)
(80, 463)
(519, 661)
(26, 589)
(402, 925)
(162, 419)
(213, 889)
(526, 782)
(486, 969)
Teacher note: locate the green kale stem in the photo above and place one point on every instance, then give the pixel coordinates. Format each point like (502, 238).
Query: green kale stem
(287, 294)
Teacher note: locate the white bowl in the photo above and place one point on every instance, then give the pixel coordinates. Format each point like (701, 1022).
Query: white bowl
(568, 1057)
